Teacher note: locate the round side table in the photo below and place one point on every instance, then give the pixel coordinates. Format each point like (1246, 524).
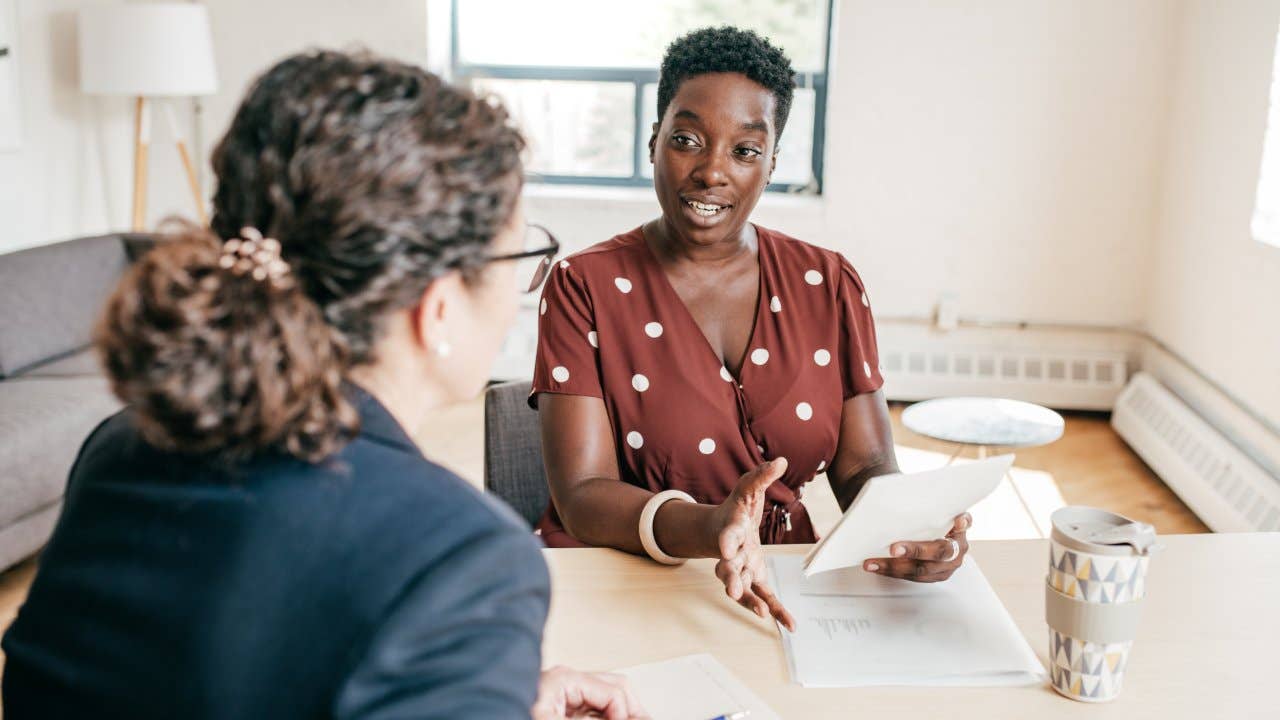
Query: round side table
(987, 424)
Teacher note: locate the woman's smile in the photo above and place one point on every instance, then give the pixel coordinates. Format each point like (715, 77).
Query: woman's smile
(706, 211)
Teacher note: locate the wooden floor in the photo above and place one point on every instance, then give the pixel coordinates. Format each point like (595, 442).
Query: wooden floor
(1090, 466)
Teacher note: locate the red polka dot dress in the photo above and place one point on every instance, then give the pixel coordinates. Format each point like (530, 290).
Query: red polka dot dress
(613, 327)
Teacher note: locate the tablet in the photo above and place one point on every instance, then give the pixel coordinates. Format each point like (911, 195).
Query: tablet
(905, 506)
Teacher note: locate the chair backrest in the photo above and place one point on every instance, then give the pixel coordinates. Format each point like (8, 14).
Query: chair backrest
(513, 450)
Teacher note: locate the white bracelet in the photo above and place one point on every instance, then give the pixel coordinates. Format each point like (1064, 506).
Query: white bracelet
(647, 538)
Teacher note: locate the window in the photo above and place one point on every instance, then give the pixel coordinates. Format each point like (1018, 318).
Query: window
(1266, 213)
(581, 77)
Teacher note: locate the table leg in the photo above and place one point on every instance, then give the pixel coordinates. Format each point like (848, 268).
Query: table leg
(1009, 475)
(959, 449)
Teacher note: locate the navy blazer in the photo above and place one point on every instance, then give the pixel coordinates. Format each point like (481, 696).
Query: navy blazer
(373, 585)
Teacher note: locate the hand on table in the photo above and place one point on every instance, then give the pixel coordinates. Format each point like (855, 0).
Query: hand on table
(565, 693)
(737, 527)
(930, 561)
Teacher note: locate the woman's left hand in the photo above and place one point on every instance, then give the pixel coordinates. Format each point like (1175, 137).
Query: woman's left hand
(932, 561)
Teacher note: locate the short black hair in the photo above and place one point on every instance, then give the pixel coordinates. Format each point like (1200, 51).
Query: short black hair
(733, 50)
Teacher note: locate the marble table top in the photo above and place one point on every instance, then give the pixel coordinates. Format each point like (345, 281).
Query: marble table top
(993, 422)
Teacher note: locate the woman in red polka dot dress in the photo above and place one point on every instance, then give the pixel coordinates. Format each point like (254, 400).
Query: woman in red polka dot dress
(705, 359)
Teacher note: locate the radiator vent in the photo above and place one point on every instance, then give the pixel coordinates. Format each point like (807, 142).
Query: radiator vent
(1061, 380)
(1221, 484)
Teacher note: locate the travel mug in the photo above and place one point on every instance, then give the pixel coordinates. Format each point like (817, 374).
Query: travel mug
(1093, 597)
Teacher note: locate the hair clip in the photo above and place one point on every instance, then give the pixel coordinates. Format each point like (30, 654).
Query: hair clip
(256, 256)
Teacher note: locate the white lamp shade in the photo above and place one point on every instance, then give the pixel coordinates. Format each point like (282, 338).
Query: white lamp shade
(149, 49)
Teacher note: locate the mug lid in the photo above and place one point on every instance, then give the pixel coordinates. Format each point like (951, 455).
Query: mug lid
(1101, 531)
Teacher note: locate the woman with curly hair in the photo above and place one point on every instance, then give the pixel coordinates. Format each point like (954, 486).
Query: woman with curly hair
(705, 359)
(256, 535)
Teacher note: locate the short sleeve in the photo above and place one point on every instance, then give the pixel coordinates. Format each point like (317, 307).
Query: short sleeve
(567, 359)
(859, 355)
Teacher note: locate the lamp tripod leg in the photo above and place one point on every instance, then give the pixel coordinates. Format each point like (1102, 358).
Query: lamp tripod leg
(191, 180)
(141, 139)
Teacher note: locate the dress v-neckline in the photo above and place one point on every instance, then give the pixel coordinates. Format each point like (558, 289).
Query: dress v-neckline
(745, 359)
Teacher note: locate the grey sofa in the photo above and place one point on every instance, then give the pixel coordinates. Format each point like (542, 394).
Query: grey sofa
(52, 392)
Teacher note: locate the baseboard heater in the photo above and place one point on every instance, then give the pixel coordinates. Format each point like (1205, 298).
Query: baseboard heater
(1072, 381)
(1222, 485)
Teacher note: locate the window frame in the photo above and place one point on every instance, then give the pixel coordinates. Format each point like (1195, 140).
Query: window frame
(639, 77)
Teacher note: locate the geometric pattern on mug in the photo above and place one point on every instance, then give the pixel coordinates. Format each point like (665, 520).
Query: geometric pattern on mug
(1097, 578)
(1095, 591)
(1093, 671)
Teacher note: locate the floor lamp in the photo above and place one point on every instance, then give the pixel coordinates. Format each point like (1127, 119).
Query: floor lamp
(151, 52)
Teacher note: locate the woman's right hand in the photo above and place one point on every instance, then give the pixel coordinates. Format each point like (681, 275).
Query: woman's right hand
(567, 693)
(737, 530)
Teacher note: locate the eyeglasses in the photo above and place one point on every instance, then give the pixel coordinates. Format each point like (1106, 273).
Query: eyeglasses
(541, 248)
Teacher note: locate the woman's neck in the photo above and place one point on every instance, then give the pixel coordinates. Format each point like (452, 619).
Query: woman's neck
(405, 393)
(671, 247)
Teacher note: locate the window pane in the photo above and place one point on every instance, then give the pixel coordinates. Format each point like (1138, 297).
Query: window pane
(1266, 214)
(795, 156)
(624, 33)
(573, 128)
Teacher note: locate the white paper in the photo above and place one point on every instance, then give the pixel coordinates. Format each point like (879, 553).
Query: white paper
(952, 633)
(905, 506)
(693, 687)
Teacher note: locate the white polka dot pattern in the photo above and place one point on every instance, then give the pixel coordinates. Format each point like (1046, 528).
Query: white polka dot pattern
(667, 354)
(804, 411)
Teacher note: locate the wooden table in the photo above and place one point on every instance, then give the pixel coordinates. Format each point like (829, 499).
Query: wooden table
(1208, 645)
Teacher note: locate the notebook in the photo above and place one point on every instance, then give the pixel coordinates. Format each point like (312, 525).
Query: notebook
(693, 687)
(904, 506)
(856, 629)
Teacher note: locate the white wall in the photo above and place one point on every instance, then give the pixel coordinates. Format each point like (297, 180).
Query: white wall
(250, 35)
(53, 186)
(72, 175)
(1002, 151)
(1010, 153)
(1006, 152)
(1216, 291)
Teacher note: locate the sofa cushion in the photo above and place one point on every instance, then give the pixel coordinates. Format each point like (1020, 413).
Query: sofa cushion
(78, 364)
(43, 422)
(51, 297)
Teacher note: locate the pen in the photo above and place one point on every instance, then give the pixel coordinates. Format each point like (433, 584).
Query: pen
(733, 716)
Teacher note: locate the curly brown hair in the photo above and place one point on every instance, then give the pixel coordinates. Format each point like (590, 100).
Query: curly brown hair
(377, 178)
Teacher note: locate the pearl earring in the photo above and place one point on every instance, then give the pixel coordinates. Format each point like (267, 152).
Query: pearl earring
(443, 348)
